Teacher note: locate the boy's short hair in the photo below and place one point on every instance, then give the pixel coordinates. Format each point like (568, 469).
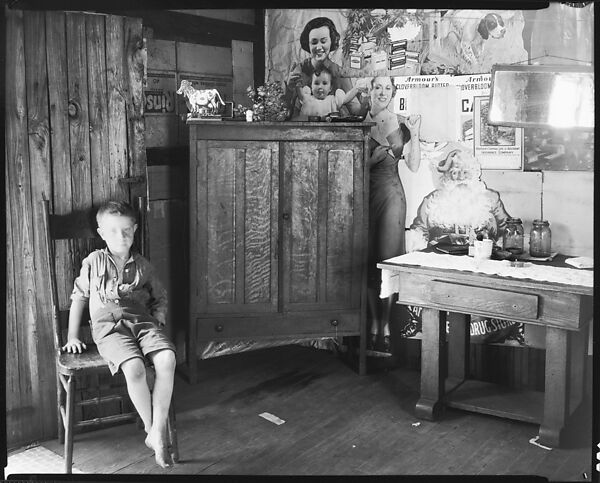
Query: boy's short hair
(116, 208)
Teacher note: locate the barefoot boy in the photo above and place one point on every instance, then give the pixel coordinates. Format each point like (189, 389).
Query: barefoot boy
(127, 305)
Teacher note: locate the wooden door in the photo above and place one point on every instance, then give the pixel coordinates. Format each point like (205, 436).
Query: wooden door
(74, 128)
(234, 196)
(322, 216)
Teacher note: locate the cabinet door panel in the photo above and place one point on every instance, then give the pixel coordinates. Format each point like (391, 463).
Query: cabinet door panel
(321, 215)
(303, 216)
(237, 210)
(221, 235)
(340, 225)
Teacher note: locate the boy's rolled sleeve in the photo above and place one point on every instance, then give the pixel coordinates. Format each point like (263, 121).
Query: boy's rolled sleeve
(81, 286)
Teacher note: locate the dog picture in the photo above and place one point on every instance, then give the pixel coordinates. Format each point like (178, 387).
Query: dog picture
(464, 33)
(491, 25)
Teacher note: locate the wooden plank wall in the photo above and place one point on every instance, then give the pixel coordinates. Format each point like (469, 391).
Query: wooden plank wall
(74, 126)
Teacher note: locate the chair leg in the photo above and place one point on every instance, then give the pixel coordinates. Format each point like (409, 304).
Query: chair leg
(59, 404)
(172, 429)
(70, 412)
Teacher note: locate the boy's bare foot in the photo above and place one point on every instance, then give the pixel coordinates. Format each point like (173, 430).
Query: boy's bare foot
(162, 455)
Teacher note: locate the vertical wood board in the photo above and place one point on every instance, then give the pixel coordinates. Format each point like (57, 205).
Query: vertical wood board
(41, 354)
(135, 55)
(14, 424)
(56, 61)
(98, 108)
(116, 82)
(19, 192)
(58, 98)
(78, 111)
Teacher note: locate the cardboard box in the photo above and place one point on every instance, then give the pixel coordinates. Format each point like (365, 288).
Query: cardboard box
(356, 61)
(397, 46)
(379, 60)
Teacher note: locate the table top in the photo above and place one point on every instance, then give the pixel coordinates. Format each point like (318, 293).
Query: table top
(553, 275)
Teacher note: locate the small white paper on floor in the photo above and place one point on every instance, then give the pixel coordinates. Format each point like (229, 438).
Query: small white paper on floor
(534, 441)
(416, 424)
(272, 418)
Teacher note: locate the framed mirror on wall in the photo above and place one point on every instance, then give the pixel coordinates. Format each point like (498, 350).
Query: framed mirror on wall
(555, 106)
(542, 96)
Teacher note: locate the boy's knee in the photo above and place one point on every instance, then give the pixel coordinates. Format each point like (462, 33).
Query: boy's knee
(134, 369)
(164, 360)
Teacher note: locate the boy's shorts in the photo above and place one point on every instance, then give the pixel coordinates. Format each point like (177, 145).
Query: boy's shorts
(130, 339)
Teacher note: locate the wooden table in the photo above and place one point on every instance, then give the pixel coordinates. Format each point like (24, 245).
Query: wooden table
(564, 309)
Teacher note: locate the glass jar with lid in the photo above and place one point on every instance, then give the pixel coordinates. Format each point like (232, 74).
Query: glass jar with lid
(540, 240)
(513, 236)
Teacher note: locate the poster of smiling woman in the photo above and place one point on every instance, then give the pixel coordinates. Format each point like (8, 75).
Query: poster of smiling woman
(394, 42)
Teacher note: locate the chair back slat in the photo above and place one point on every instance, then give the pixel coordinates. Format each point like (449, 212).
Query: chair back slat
(78, 224)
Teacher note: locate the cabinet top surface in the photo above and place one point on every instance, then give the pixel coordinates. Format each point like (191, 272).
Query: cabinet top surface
(282, 125)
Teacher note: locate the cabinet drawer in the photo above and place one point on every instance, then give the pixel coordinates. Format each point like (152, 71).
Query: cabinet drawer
(298, 325)
(468, 299)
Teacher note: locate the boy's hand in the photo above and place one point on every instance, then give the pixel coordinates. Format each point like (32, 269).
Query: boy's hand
(75, 346)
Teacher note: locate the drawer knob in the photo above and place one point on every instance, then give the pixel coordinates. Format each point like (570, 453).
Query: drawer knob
(334, 322)
(219, 328)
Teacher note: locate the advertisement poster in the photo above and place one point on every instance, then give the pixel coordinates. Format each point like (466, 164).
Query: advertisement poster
(159, 93)
(223, 84)
(496, 147)
(431, 96)
(398, 42)
(469, 87)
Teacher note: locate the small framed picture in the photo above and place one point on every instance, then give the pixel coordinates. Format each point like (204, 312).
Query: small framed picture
(496, 147)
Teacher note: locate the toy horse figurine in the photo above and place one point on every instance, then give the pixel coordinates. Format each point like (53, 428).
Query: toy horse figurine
(205, 102)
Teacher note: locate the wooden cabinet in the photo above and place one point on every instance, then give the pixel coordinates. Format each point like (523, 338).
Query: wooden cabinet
(278, 232)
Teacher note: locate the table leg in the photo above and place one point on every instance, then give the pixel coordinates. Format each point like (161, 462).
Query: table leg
(429, 405)
(563, 391)
(458, 346)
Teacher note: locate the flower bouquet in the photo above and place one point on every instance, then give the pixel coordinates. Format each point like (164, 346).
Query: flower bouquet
(267, 103)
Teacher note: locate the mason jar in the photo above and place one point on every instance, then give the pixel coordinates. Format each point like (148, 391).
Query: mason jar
(540, 239)
(513, 236)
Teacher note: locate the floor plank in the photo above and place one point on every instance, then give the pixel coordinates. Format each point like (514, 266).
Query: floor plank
(336, 423)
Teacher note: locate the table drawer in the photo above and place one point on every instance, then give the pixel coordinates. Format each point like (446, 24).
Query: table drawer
(468, 299)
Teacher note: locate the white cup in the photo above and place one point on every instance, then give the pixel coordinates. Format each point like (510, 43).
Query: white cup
(482, 249)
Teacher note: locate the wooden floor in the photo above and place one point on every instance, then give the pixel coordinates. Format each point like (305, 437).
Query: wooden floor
(336, 423)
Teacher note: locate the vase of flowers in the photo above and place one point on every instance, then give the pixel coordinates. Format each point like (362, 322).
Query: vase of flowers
(267, 103)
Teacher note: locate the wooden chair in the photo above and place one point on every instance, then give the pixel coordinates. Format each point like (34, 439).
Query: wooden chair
(77, 235)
